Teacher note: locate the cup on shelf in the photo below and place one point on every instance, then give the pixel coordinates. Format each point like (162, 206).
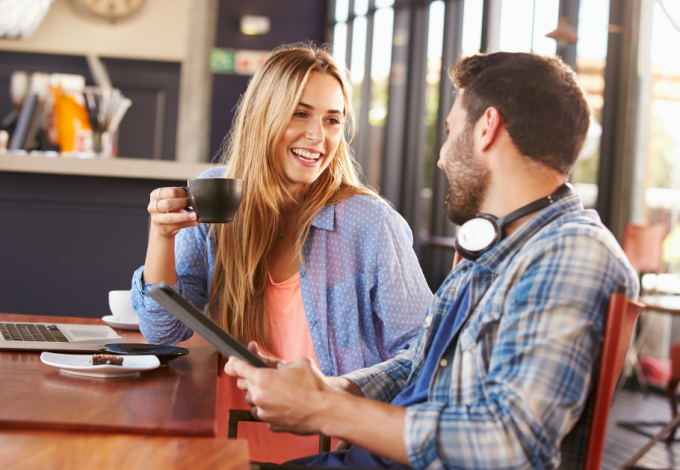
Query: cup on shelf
(119, 303)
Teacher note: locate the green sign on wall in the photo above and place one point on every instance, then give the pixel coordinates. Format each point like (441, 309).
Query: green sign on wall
(223, 60)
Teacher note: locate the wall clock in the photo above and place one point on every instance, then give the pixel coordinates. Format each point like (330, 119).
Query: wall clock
(114, 10)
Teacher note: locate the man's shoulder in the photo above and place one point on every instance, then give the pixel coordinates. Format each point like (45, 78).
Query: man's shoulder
(577, 245)
(582, 226)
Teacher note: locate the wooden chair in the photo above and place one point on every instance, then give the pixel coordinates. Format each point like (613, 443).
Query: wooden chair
(671, 391)
(621, 318)
(236, 416)
(643, 247)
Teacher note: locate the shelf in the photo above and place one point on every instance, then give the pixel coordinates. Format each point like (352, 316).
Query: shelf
(106, 167)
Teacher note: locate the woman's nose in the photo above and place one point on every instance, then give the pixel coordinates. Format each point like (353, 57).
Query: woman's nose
(315, 131)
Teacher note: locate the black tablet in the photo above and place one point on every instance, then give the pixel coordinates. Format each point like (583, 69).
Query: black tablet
(201, 324)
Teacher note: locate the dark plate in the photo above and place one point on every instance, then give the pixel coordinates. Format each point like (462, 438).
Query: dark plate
(164, 354)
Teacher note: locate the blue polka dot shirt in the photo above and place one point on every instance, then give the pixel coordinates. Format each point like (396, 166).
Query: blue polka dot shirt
(363, 291)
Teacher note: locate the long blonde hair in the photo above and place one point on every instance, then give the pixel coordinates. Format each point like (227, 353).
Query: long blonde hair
(242, 247)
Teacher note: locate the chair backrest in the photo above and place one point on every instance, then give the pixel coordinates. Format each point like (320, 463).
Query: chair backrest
(621, 318)
(643, 246)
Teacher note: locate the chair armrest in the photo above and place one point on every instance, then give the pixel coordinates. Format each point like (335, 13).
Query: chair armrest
(245, 415)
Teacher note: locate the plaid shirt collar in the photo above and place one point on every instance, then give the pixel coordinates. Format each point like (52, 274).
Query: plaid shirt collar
(494, 259)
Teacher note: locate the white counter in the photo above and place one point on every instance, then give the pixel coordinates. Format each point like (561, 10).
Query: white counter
(109, 167)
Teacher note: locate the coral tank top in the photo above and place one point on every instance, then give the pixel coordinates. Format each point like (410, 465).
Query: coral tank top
(291, 340)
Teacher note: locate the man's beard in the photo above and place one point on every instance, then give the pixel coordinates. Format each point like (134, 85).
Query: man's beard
(468, 180)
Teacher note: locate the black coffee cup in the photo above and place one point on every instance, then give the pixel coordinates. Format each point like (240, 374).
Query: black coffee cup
(215, 200)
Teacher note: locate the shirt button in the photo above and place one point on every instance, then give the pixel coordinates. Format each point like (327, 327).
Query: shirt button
(312, 322)
(443, 363)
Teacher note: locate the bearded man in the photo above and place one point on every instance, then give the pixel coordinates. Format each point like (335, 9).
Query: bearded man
(502, 369)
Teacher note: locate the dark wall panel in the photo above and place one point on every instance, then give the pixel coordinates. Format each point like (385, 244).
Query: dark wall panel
(291, 21)
(149, 127)
(68, 240)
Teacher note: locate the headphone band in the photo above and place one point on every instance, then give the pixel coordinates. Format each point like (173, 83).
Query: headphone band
(468, 244)
(561, 192)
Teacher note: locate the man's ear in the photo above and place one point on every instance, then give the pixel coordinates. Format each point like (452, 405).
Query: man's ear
(490, 123)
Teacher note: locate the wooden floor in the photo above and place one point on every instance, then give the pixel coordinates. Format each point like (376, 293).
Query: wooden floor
(622, 442)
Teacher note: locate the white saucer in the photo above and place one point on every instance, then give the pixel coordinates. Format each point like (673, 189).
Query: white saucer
(81, 364)
(116, 323)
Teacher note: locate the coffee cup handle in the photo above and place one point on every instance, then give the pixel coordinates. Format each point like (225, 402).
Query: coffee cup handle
(188, 208)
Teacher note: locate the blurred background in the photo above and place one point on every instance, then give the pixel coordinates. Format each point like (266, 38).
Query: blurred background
(179, 67)
(103, 101)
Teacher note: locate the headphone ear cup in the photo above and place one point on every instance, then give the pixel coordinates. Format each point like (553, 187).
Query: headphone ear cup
(484, 226)
(469, 255)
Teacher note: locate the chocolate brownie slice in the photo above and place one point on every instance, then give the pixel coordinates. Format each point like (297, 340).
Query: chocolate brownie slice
(107, 359)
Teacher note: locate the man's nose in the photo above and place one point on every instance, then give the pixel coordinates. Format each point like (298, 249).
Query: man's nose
(440, 161)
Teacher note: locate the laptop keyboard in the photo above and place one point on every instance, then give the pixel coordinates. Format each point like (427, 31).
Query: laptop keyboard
(31, 332)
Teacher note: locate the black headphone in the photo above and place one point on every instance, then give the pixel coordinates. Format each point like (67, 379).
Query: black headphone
(479, 235)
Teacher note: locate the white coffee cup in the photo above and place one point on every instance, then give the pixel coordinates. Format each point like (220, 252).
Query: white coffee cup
(119, 303)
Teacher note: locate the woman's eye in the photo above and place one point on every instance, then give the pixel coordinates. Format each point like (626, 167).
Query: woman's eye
(334, 121)
(299, 114)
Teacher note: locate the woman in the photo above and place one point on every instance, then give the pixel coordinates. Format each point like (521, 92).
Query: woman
(315, 263)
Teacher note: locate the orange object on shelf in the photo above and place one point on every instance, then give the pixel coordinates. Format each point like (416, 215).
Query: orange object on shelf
(70, 117)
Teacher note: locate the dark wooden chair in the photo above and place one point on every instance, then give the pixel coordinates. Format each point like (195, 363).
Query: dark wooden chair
(621, 318)
(236, 416)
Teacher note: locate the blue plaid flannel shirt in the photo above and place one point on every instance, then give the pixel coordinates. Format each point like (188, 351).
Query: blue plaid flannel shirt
(518, 372)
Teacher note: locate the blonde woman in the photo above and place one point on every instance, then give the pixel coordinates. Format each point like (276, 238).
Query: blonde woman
(314, 264)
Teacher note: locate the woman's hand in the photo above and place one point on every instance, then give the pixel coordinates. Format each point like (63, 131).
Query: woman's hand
(166, 207)
(167, 219)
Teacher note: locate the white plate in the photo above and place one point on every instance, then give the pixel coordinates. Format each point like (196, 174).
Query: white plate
(81, 364)
(116, 323)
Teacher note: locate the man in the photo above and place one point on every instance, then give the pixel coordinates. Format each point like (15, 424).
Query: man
(504, 363)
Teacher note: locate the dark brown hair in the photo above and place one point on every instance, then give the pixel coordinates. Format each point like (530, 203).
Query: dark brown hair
(539, 98)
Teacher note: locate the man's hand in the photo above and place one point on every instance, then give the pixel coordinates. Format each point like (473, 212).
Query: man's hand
(298, 398)
(272, 362)
(289, 398)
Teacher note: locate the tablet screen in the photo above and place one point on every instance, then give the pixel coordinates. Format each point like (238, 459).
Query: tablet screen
(201, 324)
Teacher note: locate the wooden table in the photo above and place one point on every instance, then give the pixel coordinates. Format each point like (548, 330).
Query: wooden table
(669, 304)
(39, 450)
(163, 418)
(174, 400)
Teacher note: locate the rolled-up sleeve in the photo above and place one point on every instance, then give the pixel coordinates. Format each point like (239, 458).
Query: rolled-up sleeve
(157, 325)
(386, 380)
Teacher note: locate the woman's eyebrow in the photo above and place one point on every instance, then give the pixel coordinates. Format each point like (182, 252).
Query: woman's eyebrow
(331, 111)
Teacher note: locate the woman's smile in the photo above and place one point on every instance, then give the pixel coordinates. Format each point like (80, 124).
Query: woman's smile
(307, 156)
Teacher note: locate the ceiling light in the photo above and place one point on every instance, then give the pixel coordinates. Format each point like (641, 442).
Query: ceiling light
(254, 25)
(564, 34)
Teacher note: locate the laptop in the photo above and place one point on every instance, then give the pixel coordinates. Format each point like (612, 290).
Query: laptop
(201, 324)
(57, 337)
